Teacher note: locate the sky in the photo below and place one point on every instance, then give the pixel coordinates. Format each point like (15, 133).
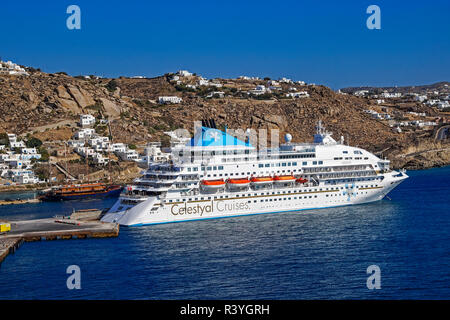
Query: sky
(323, 42)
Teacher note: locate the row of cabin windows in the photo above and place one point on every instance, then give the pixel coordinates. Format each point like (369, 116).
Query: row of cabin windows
(270, 193)
(283, 164)
(248, 173)
(289, 156)
(350, 158)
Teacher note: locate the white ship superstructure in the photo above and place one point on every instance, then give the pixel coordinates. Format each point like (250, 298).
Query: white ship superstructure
(216, 175)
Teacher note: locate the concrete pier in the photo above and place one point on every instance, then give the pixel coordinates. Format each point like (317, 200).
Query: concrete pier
(53, 229)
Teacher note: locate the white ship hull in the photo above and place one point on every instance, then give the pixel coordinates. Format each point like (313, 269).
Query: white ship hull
(252, 202)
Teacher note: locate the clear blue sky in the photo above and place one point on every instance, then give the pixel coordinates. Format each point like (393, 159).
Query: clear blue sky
(324, 42)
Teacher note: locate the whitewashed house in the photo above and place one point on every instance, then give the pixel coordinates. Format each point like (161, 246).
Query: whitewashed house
(87, 120)
(169, 99)
(17, 144)
(219, 94)
(203, 82)
(285, 80)
(11, 68)
(421, 98)
(75, 143)
(118, 147)
(128, 155)
(361, 93)
(300, 94)
(184, 73)
(260, 89)
(29, 153)
(98, 158)
(84, 133)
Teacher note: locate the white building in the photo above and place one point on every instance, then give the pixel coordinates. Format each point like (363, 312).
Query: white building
(11, 137)
(87, 120)
(11, 68)
(300, 94)
(432, 102)
(169, 99)
(421, 98)
(128, 155)
(203, 82)
(85, 151)
(443, 104)
(361, 93)
(75, 143)
(118, 147)
(29, 153)
(219, 94)
(25, 177)
(84, 133)
(285, 80)
(260, 89)
(386, 94)
(184, 73)
(98, 158)
(18, 144)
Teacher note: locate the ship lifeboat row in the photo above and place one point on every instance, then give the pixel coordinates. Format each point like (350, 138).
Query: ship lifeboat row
(244, 182)
(213, 184)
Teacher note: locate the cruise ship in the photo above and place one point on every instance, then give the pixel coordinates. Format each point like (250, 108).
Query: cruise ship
(216, 175)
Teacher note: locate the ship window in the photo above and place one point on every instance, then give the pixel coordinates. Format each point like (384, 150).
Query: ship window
(267, 165)
(284, 164)
(345, 151)
(305, 163)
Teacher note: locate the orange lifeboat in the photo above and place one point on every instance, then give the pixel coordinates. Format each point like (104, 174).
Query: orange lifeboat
(213, 184)
(240, 182)
(261, 180)
(282, 179)
(301, 180)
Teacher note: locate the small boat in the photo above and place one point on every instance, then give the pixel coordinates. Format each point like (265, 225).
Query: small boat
(282, 179)
(213, 184)
(81, 191)
(261, 180)
(301, 180)
(239, 182)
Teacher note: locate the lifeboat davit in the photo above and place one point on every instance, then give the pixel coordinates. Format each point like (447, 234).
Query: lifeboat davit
(301, 180)
(241, 182)
(213, 184)
(282, 179)
(261, 180)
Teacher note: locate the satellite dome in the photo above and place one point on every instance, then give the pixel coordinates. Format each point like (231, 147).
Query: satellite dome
(287, 137)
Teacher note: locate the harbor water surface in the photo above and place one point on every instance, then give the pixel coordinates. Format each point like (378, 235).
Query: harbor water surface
(316, 254)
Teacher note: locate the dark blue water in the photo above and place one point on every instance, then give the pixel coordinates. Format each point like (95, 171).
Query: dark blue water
(318, 254)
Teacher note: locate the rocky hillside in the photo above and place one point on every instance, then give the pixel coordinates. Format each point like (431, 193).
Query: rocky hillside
(49, 105)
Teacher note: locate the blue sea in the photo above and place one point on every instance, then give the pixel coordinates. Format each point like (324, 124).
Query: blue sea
(317, 254)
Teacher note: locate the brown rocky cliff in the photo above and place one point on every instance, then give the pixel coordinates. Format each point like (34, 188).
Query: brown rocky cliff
(46, 99)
